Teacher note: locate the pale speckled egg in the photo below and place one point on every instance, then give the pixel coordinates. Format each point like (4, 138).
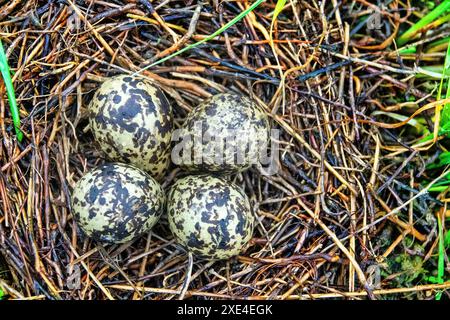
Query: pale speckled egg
(224, 134)
(117, 202)
(209, 216)
(132, 122)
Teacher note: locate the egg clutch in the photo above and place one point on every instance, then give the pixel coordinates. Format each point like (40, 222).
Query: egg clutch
(132, 124)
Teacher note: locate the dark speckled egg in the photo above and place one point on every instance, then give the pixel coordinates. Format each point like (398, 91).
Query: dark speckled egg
(209, 216)
(132, 122)
(116, 203)
(224, 134)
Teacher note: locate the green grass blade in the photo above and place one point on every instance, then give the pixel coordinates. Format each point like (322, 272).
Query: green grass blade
(212, 36)
(442, 161)
(430, 17)
(441, 20)
(441, 43)
(445, 115)
(278, 8)
(433, 71)
(438, 42)
(412, 122)
(4, 68)
(447, 240)
(411, 50)
(438, 189)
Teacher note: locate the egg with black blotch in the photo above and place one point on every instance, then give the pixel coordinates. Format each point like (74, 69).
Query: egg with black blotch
(132, 121)
(116, 203)
(209, 216)
(225, 134)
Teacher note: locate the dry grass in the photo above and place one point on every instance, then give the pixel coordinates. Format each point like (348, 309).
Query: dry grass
(339, 207)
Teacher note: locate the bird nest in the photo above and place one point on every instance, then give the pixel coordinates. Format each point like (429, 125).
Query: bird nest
(344, 198)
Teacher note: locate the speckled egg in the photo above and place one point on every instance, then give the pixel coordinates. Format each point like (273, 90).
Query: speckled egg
(117, 202)
(224, 134)
(209, 216)
(132, 122)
